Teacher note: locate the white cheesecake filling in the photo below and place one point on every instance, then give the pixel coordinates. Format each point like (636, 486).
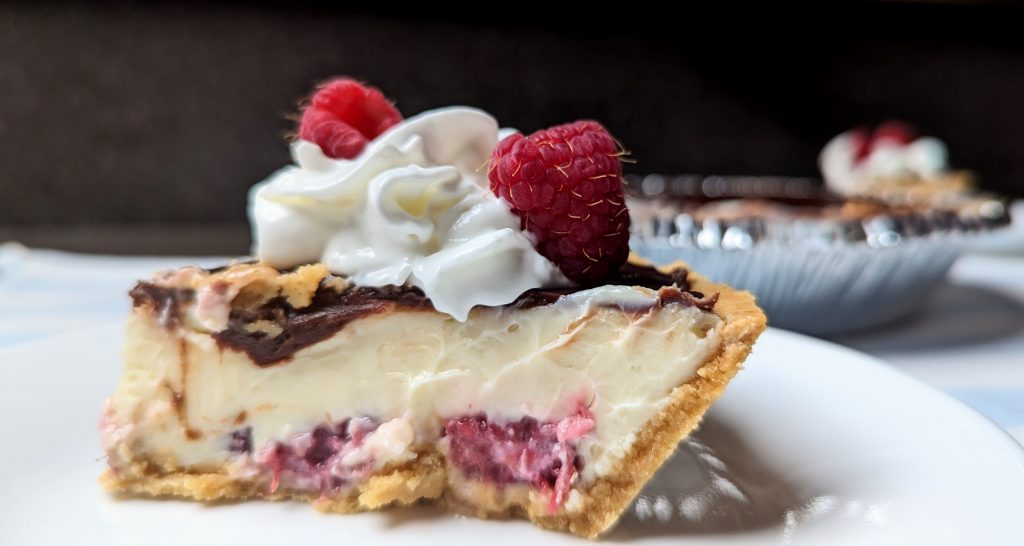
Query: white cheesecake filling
(419, 368)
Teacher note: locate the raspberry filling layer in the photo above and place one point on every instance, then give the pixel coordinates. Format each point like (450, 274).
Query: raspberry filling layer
(527, 451)
(334, 456)
(326, 460)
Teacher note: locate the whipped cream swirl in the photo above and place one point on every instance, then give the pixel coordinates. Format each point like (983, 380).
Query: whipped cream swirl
(920, 159)
(413, 208)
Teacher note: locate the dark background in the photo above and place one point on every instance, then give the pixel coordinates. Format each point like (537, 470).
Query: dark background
(118, 120)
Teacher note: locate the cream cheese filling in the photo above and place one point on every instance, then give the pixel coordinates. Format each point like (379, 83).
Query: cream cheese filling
(181, 395)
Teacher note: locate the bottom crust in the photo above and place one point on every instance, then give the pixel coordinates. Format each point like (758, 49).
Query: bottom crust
(423, 478)
(428, 477)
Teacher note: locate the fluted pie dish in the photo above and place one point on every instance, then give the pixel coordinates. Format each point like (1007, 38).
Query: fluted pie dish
(818, 263)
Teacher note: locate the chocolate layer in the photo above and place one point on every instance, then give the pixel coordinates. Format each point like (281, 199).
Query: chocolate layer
(165, 301)
(687, 298)
(628, 275)
(330, 310)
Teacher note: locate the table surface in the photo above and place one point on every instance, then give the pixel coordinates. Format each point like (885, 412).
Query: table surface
(968, 340)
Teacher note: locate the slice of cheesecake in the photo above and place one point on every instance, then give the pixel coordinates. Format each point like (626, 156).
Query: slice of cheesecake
(438, 313)
(248, 382)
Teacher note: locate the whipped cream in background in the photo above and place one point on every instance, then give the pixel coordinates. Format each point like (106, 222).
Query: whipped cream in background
(413, 207)
(921, 159)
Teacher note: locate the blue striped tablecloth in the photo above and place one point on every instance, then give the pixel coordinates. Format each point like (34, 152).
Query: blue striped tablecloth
(968, 341)
(45, 292)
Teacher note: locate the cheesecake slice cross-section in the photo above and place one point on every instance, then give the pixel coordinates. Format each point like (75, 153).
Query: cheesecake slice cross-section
(249, 382)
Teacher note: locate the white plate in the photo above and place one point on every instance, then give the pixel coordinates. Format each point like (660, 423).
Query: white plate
(812, 444)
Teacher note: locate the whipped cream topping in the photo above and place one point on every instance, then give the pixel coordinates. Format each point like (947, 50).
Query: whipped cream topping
(920, 159)
(413, 208)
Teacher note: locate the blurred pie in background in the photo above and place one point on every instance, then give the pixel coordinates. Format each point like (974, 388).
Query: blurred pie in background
(895, 164)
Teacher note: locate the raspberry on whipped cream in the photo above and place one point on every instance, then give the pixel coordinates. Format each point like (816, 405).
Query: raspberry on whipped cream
(855, 160)
(565, 183)
(343, 115)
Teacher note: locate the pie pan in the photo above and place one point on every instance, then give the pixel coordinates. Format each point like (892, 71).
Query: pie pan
(818, 264)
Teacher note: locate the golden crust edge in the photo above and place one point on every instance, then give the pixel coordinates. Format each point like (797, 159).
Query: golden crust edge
(422, 478)
(608, 498)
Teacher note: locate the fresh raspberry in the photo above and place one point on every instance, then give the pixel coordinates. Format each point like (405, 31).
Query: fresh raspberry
(343, 115)
(565, 184)
(894, 131)
(890, 132)
(861, 139)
